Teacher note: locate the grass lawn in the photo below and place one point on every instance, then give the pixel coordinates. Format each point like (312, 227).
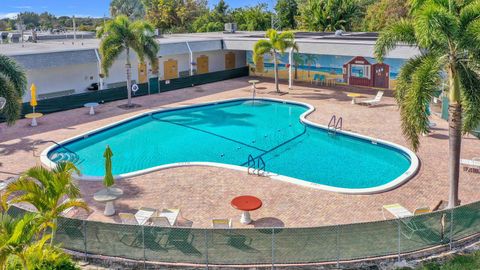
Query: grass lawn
(458, 262)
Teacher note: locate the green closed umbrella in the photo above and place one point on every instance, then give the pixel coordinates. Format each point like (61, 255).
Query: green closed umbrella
(108, 180)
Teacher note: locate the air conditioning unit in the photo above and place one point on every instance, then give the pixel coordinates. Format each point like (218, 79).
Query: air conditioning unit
(230, 27)
(157, 33)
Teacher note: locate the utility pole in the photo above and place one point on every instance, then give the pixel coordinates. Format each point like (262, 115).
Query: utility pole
(20, 25)
(275, 24)
(74, 28)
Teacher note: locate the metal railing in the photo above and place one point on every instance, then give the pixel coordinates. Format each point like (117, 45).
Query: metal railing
(256, 165)
(269, 246)
(335, 124)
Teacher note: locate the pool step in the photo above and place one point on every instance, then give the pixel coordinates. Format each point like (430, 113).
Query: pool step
(256, 165)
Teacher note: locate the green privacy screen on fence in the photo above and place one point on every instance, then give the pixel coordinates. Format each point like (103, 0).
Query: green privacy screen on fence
(173, 84)
(268, 245)
(69, 102)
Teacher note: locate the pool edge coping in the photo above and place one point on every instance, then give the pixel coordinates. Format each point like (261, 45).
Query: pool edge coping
(400, 180)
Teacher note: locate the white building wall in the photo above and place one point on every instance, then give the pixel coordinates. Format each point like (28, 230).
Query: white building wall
(117, 72)
(240, 59)
(216, 60)
(49, 80)
(80, 76)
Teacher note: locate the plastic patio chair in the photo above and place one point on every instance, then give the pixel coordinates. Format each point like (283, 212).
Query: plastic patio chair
(319, 78)
(224, 223)
(407, 218)
(160, 222)
(128, 218)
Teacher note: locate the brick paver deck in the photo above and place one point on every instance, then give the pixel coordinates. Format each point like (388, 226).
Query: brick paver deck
(204, 193)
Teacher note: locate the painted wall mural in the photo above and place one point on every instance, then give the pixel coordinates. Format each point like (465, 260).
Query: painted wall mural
(349, 70)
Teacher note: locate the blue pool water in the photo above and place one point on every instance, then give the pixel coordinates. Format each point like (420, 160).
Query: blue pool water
(231, 131)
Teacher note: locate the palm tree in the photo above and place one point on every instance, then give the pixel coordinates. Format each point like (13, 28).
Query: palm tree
(47, 191)
(447, 34)
(17, 239)
(310, 60)
(275, 43)
(133, 9)
(22, 244)
(13, 83)
(121, 35)
(328, 15)
(297, 60)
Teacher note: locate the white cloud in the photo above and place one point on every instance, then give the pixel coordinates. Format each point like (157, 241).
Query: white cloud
(11, 15)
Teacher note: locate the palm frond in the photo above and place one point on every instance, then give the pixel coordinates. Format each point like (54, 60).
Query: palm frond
(110, 49)
(468, 14)
(402, 31)
(425, 79)
(16, 74)
(470, 84)
(435, 24)
(260, 48)
(404, 78)
(71, 203)
(12, 108)
(13, 84)
(469, 40)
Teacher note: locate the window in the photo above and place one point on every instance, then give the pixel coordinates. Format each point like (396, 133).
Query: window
(360, 71)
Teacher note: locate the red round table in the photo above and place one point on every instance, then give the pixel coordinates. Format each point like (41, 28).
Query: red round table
(246, 203)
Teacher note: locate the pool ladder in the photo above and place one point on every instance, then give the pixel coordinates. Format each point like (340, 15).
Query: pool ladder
(334, 125)
(256, 166)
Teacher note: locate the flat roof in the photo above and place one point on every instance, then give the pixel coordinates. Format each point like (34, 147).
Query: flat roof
(309, 42)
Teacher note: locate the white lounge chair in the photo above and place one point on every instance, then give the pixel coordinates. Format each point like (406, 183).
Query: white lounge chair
(374, 101)
(221, 223)
(171, 214)
(413, 226)
(128, 218)
(471, 165)
(160, 222)
(398, 211)
(144, 214)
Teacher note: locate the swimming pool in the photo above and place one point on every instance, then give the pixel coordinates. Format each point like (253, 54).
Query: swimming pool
(227, 133)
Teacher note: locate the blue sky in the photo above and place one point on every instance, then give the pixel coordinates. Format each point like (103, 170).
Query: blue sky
(93, 8)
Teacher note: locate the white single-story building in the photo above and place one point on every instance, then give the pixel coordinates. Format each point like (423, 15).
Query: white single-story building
(64, 67)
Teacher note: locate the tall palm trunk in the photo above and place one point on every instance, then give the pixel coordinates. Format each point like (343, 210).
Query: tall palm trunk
(23, 261)
(455, 136)
(54, 231)
(275, 66)
(296, 70)
(128, 68)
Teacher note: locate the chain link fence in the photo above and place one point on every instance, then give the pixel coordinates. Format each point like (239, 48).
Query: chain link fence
(268, 245)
